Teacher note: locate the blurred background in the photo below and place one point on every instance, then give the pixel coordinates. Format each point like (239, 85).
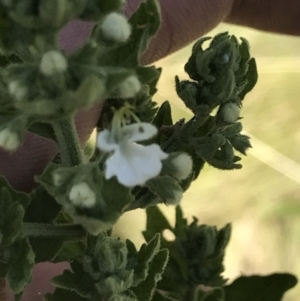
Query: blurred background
(262, 200)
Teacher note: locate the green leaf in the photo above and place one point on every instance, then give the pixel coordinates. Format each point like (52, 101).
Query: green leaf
(112, 198)
(252, 77)
(43, 207)
(241, 143)
(144, 107)
(156, 223)
(166, 188)
(70, 250)
(149, 76)
(17, 196)
(144, 258)
(145, 290)
(260, 288)
(20, 266)
(45, 248)
(79, 282)
(61, 294)
(191, 67)
(180, 224)
(163, 116)
(115, 76)
(11, 219)
(42, 129)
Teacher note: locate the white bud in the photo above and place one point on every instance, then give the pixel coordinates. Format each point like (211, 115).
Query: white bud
(53, 62)
(183, 164)
(17, 90)
(57, 179)
(82, 195)
(115, 27)
(176, 198)
(9, 140)
(129, 87)
(230, 112)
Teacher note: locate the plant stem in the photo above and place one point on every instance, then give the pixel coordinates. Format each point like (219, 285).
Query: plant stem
(67, 232)
(68, 141)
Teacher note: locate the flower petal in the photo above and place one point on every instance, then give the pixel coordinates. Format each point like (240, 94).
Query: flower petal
(134, 164)
(105, 143)
(139, 131)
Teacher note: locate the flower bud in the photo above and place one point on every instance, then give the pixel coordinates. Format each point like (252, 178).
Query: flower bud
(129, 87)
(175, 198)
(53, 62)
(82, 195)
(9, 140)
(178, 165)
(229, 112)
(18, 90)
(115, 27)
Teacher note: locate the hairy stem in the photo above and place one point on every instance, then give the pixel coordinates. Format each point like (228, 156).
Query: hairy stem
(67, 232)
(68, 142)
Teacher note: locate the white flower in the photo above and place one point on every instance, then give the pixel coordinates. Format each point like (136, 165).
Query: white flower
(17, 89)
(183, 164)
(230, 112)
(53, 62)
(82, 195)
(116, 27)
(133, 164)
(9, 140)
(129, 87)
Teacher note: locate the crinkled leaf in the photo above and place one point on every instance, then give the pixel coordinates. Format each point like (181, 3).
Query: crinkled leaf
(145, 290)
(260, 288)
(240, 142)
(112, 198)
(20, 267)
(166, 188)
(70, 250)
(11, 218)
(16, 196)
(191, 67)
(144, 258)
(80, 282)
(251, 77)
(144, 107)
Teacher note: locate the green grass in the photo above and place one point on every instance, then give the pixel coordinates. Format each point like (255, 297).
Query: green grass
(262, 203)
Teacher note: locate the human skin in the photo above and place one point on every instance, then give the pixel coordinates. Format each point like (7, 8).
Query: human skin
(183, 21)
